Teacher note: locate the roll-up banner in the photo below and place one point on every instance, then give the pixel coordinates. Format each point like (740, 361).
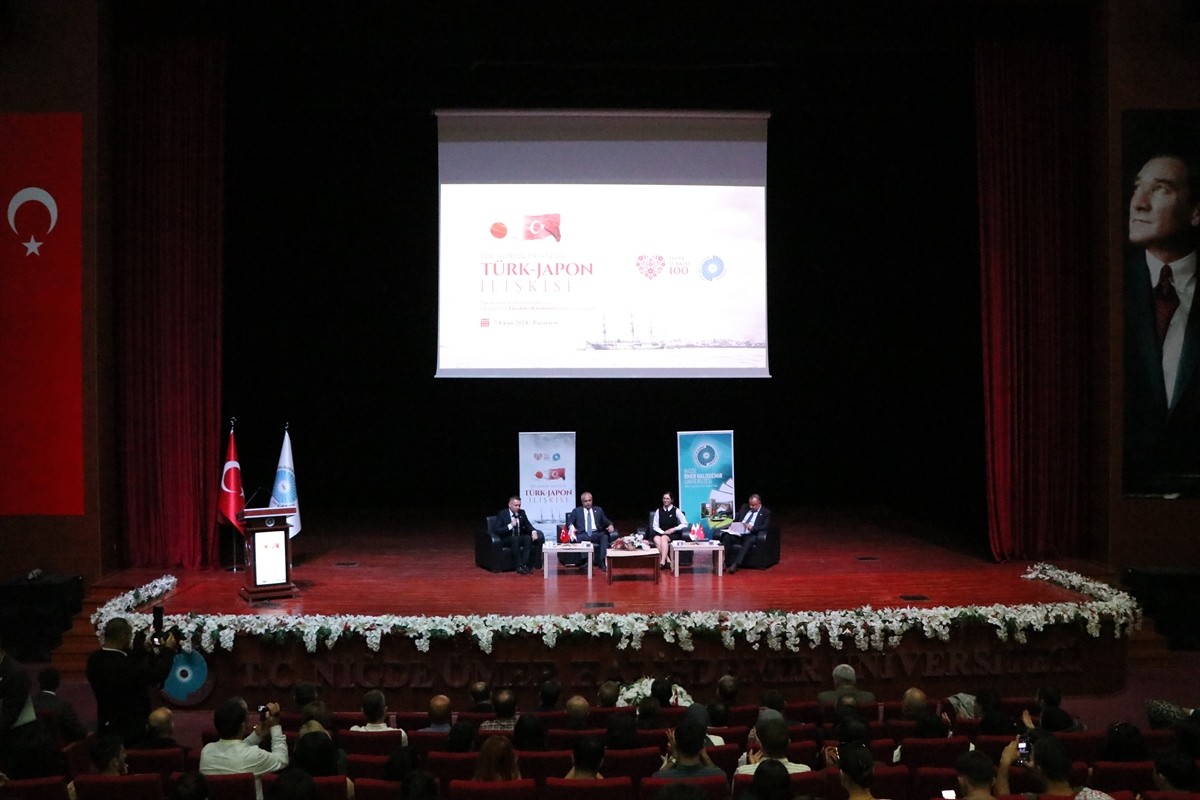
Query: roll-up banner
(547, 462)
(706, 492)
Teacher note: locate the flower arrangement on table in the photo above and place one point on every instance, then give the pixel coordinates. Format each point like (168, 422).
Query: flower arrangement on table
(634, 541)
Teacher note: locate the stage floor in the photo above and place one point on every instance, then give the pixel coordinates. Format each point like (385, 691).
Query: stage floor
(830, 560)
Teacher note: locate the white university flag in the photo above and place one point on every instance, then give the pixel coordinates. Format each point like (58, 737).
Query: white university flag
(284, 491)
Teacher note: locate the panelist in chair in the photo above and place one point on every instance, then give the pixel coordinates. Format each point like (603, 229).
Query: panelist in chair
(667, 523)
(589, 523)
(751, 519)
(512, 521)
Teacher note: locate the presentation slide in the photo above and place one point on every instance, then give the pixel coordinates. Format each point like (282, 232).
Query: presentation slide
(564, 259)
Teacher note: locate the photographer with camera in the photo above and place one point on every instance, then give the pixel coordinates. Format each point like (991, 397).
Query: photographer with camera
(1047, 760)
(121, 674)
(237, 750)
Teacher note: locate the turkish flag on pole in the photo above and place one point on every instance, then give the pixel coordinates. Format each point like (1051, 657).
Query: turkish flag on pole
(232, 499)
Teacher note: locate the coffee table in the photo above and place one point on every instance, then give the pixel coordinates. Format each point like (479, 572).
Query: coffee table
(632, 559)
(715, 549)
(550, 548)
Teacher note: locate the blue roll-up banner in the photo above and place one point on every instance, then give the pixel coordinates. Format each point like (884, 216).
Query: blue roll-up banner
(706, 492)
(547, 462)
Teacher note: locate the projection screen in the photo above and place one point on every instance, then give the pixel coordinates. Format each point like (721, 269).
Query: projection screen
(583, 244)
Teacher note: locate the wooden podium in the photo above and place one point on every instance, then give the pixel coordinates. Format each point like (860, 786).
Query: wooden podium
(268, 554)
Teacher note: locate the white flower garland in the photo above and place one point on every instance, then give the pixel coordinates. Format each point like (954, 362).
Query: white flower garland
(865, 627)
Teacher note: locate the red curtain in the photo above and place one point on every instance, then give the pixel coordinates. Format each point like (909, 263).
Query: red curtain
(168, 239)
(1032, 138)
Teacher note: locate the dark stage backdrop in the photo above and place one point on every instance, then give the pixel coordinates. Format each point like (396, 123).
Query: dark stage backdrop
(873, 258)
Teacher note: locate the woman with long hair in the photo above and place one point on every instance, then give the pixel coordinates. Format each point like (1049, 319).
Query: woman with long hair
(497, 761)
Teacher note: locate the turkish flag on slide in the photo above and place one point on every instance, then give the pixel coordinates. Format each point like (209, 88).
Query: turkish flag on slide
(541, 226)
(232, 500)
(41, 314)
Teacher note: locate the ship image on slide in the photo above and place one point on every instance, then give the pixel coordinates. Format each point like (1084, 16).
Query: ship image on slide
(632, 343)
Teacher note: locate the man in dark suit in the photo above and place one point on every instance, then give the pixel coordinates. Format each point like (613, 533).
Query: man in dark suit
(121, 674)
(66, 720)
(752, 518)
(512, 521)
(1162, 328)
(589, 523)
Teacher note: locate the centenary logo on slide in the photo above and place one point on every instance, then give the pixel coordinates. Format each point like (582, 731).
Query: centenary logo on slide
(555, 474)
(537, 226)
(651, 266)
(712, 268)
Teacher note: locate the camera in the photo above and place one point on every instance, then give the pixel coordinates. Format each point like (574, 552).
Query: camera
(262, 712)
(1022, 750)
(949, 794)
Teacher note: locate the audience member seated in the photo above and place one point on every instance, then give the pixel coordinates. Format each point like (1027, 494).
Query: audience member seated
(191, 785)
(548, 695)
(771, 782)
(374, 708)
(317, 755)
(69, 728)
(1124, 742)
(505, 704)
(1052, 718)
(608, 694)
(108, 757)
(976, 775)
(317, 711)
(481, 697)
(529, 733)
(649, 714)
(1175, 771)
(622, 733)
(857, 769)
(461, 738)
(305, 693)
(915, 706)
(237, 750)
(294, 784)
(993, 720)
(27, 748)
(844, 683)
(687, 758)
(663, 691)
(160, 731)
(1048, 763)
(441, 714)
(727, 689)
(772, 735)
(497, 761)
(586, 759)
(1167, 715)
(774, 700)
(419, 785)
(577, 709)
(699, 713)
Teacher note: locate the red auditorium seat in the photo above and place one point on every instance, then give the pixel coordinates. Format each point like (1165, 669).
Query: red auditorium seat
(54, 788)
(118, 787)
(641, 762)
(1113, 776)
(370, 743)
(803, 731)
(565, 738)
(803, 752)
(1085, 746)
(804, 784)
(715, 786)
(345, 720)
(892, 782)
(162, 761)
(422, 742)
(930, 782)
(524, 789)
(992, 746)
(329, 787)
(360, 765)
(409, 720)
(376, 789)
(744, 715)
(76, 760)
(726, 757)
(1158, 795)
(653, 737)
(235, 786)
(732, 734)
(606, 789)
(448, 767)
(544, 764)
(933, 752)
(883, 750)
(809, 711)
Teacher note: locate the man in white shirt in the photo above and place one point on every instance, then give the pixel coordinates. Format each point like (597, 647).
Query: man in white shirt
(237, 750)
(374, 708)
(772, 733)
